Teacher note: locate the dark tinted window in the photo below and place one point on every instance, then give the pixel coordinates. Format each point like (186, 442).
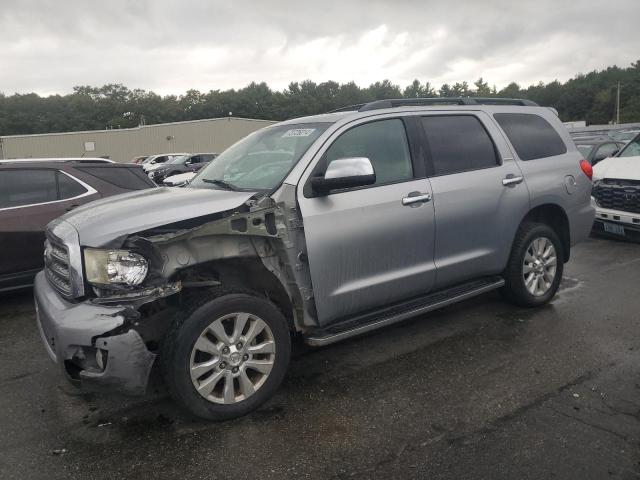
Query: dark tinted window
(68, 187)
(458, 143)
(27, 187)
(123, 177)
(383, 142)
(531, 135)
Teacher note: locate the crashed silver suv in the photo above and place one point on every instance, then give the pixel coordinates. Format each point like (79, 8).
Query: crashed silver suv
(319, 229)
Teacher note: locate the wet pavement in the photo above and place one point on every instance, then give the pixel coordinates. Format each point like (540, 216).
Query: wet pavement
(478, 390)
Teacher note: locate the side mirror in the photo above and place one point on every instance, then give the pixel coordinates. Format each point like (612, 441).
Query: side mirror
(345, 173)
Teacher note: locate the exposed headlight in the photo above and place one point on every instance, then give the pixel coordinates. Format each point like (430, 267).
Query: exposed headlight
(106, 267)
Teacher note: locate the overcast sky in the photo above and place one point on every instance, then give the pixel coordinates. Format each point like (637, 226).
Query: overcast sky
(48, 46)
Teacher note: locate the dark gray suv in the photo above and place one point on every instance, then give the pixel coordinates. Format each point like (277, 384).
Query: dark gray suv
(318, 228)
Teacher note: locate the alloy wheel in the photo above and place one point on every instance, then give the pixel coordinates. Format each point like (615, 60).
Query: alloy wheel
(232, 358)
(539, 266)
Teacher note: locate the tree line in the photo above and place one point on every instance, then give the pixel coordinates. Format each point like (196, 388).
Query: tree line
(590, 97)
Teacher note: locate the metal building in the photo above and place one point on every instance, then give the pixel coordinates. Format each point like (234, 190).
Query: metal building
(121, 145)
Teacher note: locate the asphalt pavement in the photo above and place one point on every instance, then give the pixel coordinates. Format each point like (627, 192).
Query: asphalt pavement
(478, 390)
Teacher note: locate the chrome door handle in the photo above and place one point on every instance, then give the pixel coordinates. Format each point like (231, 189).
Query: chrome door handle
(512, 180)
(425, 197)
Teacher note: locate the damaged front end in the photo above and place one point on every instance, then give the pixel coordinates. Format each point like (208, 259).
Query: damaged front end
(108, 338)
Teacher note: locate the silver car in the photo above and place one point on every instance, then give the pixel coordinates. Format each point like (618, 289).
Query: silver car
(319, 229)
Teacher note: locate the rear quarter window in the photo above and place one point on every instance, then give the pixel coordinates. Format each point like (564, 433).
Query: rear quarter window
(123, 177)
(531, 135)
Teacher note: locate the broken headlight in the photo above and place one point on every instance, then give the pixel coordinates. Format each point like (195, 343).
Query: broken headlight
(105, 267)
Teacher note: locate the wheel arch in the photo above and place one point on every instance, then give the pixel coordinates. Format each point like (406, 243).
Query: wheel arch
(245, 273)
(555, 216)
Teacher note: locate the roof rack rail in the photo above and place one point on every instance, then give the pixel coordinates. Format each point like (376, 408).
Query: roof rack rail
(57, 160)
(348, 108)
(417, 102)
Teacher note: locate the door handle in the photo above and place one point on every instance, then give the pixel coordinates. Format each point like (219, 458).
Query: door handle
(510, 180)
(420, 198)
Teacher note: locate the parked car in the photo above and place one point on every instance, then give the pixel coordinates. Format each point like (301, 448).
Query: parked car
(139, 159)
(182, 164)
(616, 190)
(155, 161)
(597, 149)
(34, 192)
(322, 228)
(178, 180)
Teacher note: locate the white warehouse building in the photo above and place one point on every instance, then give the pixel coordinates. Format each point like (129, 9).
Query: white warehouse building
(209, 135)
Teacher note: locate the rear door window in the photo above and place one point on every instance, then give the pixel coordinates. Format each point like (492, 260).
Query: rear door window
(458, 143)
(531, 135)
(27, 187)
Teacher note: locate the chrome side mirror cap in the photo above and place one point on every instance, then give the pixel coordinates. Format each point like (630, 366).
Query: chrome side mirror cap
(345, 173)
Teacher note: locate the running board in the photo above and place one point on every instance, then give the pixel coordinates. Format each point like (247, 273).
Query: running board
(396, 313)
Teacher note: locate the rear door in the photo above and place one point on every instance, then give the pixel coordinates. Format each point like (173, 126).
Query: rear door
(365, 247)
(479, 195)
(29, 199)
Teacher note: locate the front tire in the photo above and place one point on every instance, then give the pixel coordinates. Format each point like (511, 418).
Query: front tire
(226, 355)
(535, 267)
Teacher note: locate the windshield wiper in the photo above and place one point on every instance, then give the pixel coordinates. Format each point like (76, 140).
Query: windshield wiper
(221, 183)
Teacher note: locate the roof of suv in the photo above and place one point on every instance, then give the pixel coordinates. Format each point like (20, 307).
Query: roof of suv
(440, 103)
(47, 160)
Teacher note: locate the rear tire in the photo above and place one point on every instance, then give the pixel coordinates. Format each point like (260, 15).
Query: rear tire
(226, 355)
(535, 267)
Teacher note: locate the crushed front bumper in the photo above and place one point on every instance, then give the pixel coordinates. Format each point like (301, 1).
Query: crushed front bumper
(94, 345)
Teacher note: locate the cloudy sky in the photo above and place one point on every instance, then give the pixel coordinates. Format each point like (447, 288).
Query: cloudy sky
(48, 46)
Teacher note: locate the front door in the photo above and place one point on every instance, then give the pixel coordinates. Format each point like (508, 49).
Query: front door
(366, 248)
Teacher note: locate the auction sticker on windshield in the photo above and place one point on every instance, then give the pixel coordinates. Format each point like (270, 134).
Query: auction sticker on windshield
(298, 132)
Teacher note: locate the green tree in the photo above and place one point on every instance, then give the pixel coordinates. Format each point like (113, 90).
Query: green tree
(417, 90)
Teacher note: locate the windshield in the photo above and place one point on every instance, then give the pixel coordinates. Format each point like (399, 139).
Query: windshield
(631, 149)
(262, 160)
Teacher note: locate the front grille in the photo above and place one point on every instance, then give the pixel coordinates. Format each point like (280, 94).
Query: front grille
(618, 194)
(56, 265)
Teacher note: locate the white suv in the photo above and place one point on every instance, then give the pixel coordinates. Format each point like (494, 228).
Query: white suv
(616, 190)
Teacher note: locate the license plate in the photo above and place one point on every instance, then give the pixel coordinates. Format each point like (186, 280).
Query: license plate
(613, 228)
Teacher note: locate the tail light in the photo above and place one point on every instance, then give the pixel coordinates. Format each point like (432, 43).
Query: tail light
(586, 168)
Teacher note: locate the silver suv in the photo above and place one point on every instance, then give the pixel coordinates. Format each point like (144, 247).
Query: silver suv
(319, 229)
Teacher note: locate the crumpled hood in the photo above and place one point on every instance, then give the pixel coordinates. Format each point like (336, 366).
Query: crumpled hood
(104, 220)
(627, 168)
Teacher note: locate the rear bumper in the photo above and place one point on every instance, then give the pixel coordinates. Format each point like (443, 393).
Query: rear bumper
(581, 222)
(92, 344)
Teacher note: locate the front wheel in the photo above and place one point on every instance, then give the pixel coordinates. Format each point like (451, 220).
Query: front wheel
(226, 356)
(534, 271)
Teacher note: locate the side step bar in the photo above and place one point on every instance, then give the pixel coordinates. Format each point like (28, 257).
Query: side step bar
(396, 313)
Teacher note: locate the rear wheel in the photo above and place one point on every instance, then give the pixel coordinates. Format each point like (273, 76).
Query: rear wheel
(227, 356)
(534, 271)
